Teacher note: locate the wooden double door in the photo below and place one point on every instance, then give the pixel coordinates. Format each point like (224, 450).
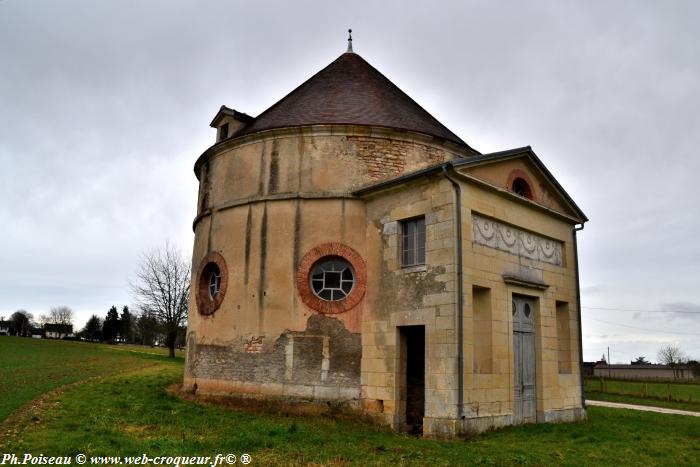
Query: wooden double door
(525, 381)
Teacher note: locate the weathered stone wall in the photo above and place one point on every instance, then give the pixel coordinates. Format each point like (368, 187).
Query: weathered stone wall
(266, 202)
(384, 158)
(489, 395)
(321, 361)
(310, 162)
(427, 296)
(419, 295)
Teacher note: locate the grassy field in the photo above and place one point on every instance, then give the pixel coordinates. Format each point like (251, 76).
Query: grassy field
(678, 391)
(682, 396)
(132, 412)
(31, 367)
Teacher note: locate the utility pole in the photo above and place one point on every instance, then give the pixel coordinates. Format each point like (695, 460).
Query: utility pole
(609, 370)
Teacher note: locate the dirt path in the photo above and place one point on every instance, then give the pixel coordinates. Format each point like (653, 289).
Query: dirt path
(32, 411)
(645, 408)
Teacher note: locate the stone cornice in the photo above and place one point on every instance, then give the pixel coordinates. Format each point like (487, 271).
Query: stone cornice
(521, 281)
(332, 130)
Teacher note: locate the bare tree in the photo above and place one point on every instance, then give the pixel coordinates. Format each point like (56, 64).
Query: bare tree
(58, 315)
(162, 290)
(672, 356)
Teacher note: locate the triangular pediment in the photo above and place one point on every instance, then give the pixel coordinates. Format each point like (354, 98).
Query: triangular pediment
(507, 170)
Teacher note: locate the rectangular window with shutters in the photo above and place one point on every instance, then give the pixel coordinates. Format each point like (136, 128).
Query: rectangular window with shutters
(413, 242)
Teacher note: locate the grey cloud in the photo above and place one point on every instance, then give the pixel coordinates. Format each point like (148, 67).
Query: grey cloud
(105, 106)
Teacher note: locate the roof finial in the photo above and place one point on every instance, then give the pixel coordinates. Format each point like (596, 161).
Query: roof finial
(350, 41)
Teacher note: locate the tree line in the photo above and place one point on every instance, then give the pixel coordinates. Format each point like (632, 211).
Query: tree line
(22, 322)
(142, 328)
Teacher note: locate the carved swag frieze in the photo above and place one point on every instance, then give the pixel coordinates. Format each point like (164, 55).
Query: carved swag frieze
(518, 242)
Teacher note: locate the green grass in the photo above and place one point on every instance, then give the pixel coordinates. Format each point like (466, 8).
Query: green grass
(31, 367)
(132, 413)
(683, 396)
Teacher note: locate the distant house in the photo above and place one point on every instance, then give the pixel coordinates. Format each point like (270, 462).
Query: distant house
(644, 371)
(36, 333)
(58, 331)
(4, 328)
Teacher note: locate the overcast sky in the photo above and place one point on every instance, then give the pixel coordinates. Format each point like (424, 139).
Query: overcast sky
(105, 106)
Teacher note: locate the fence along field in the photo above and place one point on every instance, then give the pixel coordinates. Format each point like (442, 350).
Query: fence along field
(678, 391)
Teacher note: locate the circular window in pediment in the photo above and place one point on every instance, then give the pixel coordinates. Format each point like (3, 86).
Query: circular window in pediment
(519, 182)
(522, 188)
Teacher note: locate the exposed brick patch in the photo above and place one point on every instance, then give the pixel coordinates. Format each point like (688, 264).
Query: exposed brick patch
(205, 304)
(308, 262)
(254, 344)
(273, 364)
(384, 158)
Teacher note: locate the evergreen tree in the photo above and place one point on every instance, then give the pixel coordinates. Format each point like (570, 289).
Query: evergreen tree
(93, 329)
(126, 326)
(147, 328)
(110, 327)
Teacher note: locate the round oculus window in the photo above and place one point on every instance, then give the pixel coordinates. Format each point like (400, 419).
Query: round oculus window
(332, 279)
(214, 281)
(211, 283)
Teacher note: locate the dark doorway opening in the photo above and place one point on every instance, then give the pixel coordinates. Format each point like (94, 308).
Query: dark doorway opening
(413, 376)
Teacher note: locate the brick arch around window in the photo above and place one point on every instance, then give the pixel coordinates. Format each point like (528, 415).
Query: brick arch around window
(319, 253)
(516, 174)
(206, 305)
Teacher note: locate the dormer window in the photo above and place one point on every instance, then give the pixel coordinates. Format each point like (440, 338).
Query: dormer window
(522, 188)
(228, 122)
(223, 132)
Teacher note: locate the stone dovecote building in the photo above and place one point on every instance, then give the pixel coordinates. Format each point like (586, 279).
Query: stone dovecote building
(349, 247)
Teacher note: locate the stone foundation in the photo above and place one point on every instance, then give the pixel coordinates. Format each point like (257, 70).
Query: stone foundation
(285, 392)
(480, 424)
(322, 362)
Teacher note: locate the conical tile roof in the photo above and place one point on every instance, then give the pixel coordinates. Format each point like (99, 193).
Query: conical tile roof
(350, 91)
